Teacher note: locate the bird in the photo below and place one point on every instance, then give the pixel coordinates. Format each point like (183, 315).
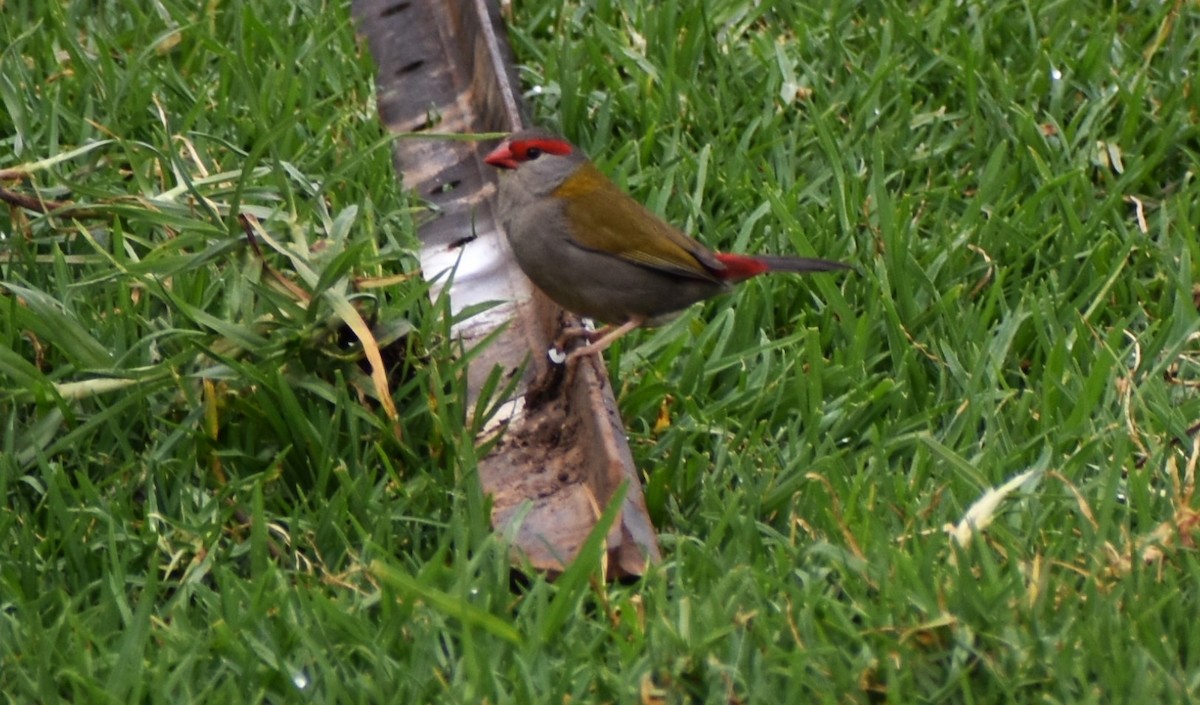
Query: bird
(597, 252)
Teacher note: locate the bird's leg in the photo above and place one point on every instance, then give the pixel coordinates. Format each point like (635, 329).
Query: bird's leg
(597, 341)
(559, 349)
(601, 339)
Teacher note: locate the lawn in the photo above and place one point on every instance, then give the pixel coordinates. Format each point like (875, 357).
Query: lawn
(207, 499)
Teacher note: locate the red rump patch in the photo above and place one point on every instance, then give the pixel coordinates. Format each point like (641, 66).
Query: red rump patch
(739, 267)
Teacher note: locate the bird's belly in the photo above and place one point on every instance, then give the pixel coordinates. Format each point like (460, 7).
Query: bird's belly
(607, 288)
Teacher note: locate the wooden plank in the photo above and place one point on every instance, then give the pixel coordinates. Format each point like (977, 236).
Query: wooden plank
(445, 67)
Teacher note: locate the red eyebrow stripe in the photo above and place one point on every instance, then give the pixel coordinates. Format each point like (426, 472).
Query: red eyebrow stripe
(548, 146)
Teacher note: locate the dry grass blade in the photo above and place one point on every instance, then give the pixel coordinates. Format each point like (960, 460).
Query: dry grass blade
(983, 511)
(342, 307)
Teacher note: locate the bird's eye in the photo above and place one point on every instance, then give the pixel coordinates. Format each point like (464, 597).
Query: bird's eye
(532, 153)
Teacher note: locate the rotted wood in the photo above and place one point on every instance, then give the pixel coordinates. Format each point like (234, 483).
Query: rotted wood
(445, 67)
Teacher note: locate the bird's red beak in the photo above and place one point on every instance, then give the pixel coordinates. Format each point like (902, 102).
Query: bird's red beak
(501, 157)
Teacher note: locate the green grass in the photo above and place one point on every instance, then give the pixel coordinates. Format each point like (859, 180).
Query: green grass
(205, 500)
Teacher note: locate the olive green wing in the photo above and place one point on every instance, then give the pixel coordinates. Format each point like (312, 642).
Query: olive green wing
(605, 219)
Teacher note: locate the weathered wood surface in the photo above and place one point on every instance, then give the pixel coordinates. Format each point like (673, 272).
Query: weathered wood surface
(445, 67)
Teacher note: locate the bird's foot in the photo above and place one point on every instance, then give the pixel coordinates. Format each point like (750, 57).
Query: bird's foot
(561, 373)
(561, 352)
(599, 340)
